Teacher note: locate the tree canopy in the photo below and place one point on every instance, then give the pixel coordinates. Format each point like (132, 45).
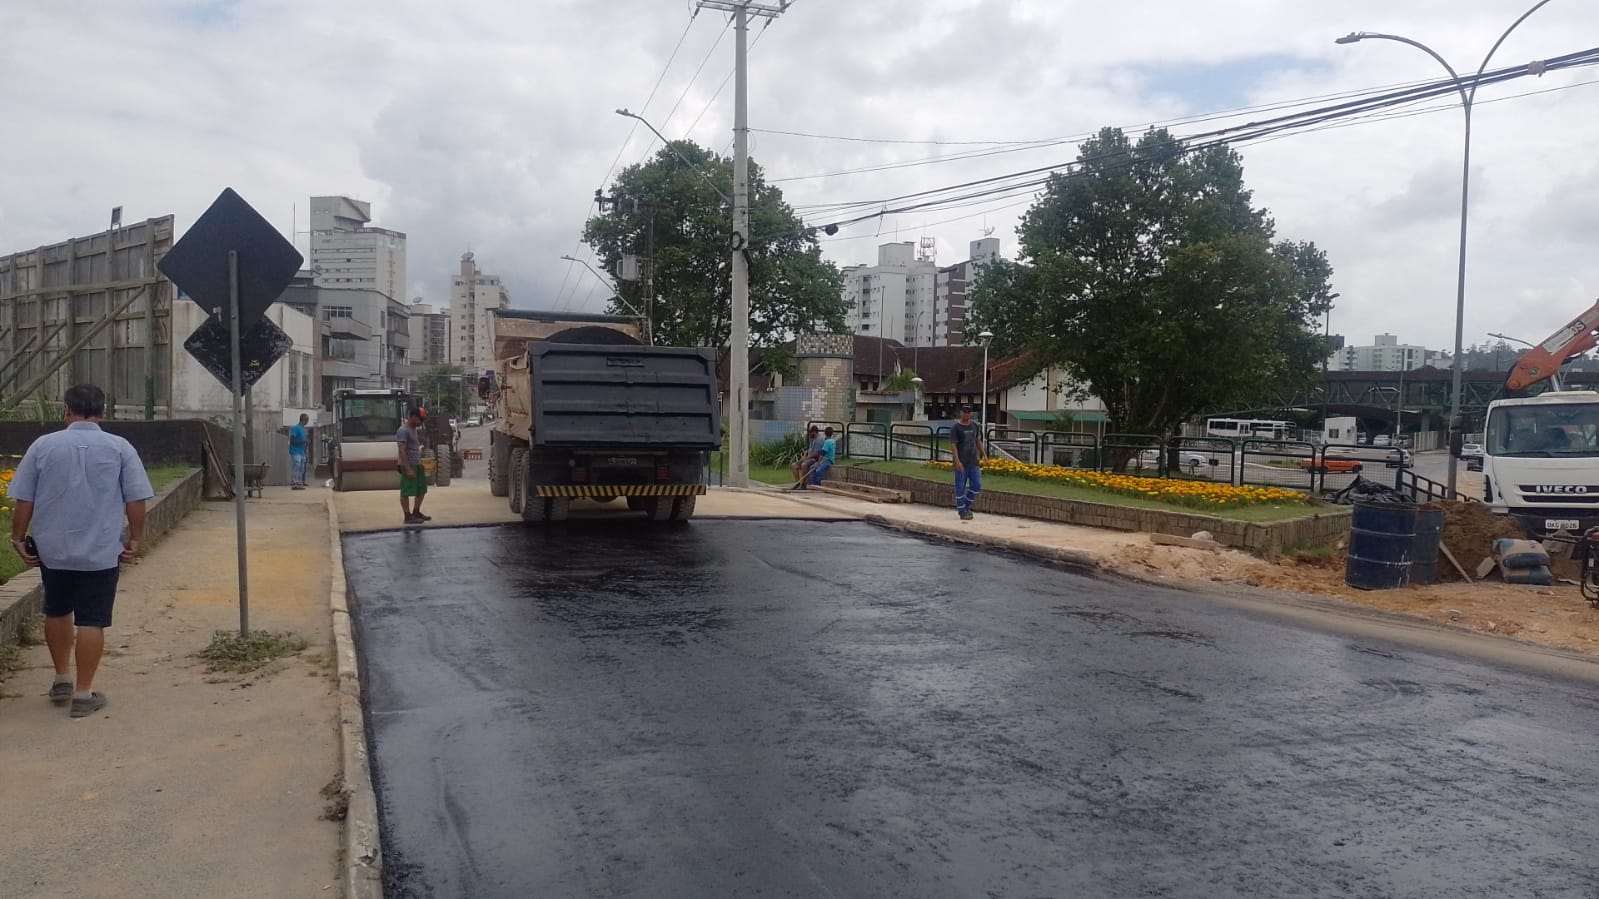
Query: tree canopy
(444, 391)
(1149, 278)
(792, 288)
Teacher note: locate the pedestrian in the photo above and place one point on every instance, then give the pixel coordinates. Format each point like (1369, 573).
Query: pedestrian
(299, 443)
(72, 490)
(813, 449)
(824, 459)
(966, 451)
(413, 479)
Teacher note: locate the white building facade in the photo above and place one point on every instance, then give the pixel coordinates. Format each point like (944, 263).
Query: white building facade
(1385, 353)
(473, 298)
(430, 334)
(347, 253)
(911, 299)
(288, 389)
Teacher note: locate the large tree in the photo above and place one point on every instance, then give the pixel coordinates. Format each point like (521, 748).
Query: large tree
(1150, 279)
(792, 288)
(444, 390)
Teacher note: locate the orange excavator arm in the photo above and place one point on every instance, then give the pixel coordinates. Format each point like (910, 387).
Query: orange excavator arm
(1543, 361)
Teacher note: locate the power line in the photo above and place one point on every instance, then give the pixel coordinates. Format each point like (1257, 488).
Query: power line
(1368, 109)
(1236, 134)
(690, 86)
(605, 181)
(1001, 147)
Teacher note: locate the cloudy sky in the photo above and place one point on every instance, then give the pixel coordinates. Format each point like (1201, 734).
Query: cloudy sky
(488, 124)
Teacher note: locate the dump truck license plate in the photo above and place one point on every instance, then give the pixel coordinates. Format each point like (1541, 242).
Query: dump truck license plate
(1556, 524)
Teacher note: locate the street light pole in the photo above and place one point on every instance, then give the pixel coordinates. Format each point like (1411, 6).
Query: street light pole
(1399, 400)
(1326, 345)
(1466, 98)
(986, 337)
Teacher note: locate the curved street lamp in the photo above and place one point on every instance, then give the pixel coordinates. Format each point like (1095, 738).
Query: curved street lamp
(1467, 96)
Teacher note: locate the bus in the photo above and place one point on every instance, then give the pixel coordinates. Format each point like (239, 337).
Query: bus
(1249, 428)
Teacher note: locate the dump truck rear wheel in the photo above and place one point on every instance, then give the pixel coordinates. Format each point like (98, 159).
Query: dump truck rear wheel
(516, 475)
(558, 509)
(683, 508)
(638, 504)
(499, 466)
(659, 509)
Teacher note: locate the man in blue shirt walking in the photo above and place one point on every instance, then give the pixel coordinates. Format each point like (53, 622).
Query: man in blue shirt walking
(299, 442)
(73, 488)
(966, 451)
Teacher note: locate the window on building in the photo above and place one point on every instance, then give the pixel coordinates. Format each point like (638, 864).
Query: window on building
(332, 312)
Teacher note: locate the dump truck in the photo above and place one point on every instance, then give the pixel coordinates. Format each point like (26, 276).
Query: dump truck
(584, 411)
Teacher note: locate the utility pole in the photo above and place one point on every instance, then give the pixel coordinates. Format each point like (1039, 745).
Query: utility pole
(738, 376)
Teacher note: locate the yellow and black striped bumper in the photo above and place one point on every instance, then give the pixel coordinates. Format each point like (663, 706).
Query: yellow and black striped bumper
(619, 490)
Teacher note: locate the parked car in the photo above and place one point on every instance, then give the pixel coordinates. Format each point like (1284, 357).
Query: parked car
(1472, 454)
(474, 421)
(1333, 463)
(1397, 458)
(1189, 459)
(1382, 440)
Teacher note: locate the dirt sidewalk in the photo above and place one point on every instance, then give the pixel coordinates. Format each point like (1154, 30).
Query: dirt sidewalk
(1554, 616)
(187, 784)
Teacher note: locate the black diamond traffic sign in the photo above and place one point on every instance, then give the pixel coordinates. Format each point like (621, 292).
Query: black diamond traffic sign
(198, 263)
(260, 348)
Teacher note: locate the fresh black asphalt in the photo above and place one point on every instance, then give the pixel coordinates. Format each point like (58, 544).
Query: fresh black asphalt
(813, 709)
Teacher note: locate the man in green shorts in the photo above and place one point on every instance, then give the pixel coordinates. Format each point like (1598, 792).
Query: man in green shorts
(413, 480)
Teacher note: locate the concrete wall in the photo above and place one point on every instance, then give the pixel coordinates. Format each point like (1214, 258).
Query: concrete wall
(1264, 539)
(22, 596)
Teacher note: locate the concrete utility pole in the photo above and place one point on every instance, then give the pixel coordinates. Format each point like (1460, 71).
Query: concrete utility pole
(738, 376)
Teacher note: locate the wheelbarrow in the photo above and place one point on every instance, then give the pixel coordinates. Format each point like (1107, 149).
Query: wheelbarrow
(254, 478)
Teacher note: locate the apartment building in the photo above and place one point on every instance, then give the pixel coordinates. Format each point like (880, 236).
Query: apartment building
(474, 296)
(346, 252)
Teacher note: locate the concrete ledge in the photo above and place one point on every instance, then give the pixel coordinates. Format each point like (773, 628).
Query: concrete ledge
(1260, 538)
(23, 595)
(1083, 562)
(363, 845)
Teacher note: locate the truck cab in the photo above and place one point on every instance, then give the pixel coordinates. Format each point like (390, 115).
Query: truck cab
(1540, 461)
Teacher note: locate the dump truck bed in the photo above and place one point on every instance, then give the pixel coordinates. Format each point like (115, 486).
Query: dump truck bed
(624, 396)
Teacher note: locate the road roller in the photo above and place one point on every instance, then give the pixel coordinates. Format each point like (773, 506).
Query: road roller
(364, 452)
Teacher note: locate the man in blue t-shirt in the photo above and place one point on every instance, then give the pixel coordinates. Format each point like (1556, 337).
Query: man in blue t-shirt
(966, 451)
(824, 461)
(299, 443)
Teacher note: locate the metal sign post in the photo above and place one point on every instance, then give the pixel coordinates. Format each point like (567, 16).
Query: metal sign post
(234, 259)
(238, 444)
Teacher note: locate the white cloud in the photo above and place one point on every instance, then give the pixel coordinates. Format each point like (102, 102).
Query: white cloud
(490, 124)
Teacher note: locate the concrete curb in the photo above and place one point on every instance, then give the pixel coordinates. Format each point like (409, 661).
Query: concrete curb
(363, 846)
(1083, 562)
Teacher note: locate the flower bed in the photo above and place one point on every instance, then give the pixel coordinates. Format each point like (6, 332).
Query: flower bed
(1194, 494)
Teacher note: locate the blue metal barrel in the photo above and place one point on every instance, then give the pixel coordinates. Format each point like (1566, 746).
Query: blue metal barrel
(1429, 534)
(1382, 539)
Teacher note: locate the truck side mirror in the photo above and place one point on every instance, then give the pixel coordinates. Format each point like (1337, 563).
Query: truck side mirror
(1457, 440)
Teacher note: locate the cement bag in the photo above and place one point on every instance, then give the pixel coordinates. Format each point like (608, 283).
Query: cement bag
(1520, 554)
(1537, 575)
